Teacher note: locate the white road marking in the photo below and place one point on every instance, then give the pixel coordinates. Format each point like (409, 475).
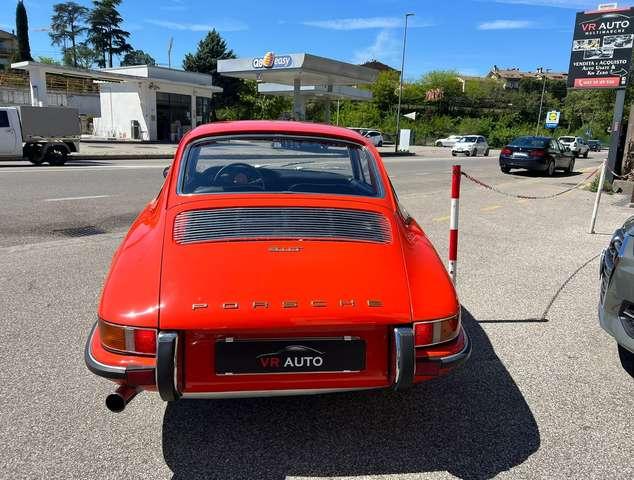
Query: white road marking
(64, 199)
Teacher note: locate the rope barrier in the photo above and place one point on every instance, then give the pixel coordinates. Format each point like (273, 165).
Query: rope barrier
(528, 197)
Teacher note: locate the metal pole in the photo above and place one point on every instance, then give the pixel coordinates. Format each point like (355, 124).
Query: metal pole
(598, 197)
(541, 103)
(337, 112)
(400, 86)
(453, 222)
(616, 133)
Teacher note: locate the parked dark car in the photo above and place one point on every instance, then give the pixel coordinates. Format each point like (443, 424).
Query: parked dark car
(595, 145)
(616, 304)
(541, 154)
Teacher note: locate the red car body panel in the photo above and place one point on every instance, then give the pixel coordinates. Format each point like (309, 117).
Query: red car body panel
(214, 291)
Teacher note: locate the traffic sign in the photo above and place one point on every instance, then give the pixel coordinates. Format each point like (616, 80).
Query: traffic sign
(552, 119)
(602, 49)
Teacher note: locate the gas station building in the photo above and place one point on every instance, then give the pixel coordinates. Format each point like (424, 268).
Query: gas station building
(303, 76)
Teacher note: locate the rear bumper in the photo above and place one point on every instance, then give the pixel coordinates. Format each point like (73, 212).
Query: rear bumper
(528, 163)
(406, 367)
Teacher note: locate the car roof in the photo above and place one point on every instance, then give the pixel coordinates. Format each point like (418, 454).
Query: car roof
(273, 126)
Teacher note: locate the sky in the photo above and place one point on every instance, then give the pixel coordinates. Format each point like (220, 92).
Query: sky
(468, 36)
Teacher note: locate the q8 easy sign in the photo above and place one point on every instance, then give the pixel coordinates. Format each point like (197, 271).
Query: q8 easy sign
(602, 49)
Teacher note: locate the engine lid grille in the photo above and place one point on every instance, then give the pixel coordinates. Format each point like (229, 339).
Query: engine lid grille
(263, 223)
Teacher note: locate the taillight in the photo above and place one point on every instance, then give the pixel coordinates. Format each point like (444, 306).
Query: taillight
(537, 153)
(434, 332)
(507, 151)
(122, 339)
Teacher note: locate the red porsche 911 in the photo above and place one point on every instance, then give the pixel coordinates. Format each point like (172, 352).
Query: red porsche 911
(276, 260)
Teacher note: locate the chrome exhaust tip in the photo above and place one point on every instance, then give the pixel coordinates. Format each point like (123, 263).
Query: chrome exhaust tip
(117, 401)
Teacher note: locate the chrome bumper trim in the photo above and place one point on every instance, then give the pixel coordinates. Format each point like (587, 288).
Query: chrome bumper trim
(271, 393)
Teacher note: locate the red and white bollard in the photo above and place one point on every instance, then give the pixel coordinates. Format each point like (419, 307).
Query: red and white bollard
(453, 222)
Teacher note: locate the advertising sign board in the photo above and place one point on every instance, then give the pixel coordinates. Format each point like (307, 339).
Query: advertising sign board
(552, 119)
(602, 49)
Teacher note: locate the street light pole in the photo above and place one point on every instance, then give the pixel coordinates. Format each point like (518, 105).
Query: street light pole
(541, 103)
(400, 86)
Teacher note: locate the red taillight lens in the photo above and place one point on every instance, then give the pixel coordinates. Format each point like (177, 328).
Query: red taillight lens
(436, 331)
(507, 151)
(537, 153)
(122, 339)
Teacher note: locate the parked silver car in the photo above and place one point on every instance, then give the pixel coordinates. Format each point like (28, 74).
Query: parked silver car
(471, 146)
(447, 142)
(616, 306)
(577, 145)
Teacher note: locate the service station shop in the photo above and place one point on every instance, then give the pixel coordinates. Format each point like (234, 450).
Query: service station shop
(162, 104)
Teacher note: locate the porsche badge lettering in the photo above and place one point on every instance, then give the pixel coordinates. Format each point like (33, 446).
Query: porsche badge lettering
(261, 304)
(285, 249)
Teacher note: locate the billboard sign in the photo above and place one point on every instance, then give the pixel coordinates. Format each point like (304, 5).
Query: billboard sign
(602, 49)
(552, 119)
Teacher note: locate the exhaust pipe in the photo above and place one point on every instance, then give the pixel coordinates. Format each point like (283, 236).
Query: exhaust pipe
(117, 401)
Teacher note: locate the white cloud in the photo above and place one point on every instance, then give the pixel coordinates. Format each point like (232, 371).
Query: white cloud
(221, 26)
(364, 23)
(385, 47)
(506, 25)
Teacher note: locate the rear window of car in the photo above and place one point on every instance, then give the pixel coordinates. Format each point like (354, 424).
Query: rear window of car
(567, 139)
(279, 164)
(530, 142)
(468, 139)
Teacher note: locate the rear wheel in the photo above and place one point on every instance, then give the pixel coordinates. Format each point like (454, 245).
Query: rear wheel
(571, 166)
(439, 144)
(467, 153)
(551, 169)
(486, 152)
(453, 154)
(380, 144)
(585, 155)
(505, 169)
(57, 156)
(474, 153)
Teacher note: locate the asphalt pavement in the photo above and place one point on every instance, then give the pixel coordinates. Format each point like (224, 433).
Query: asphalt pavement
(543, 395)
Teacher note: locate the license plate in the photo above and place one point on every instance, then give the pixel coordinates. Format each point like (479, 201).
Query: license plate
(289, 356)
(520, 155)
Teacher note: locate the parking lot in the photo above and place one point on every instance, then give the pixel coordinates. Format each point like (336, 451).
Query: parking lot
(543, 395)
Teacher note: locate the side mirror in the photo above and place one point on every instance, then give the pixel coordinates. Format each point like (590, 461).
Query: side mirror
(166, 170)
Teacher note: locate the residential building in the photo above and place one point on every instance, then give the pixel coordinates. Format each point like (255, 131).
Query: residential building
(8, 45)
(511, 77)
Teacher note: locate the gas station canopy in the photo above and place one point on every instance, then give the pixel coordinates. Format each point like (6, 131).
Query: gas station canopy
(308, 76)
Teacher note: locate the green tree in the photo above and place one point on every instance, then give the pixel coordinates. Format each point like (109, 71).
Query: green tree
(211, 49)
(105, 32)
(137, 57)
(67, 26)
(385, 90)
(252, 105)
(22, 32)
(48, 60)
(84, 56)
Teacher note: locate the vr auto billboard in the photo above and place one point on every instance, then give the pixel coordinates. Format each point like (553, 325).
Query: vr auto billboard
(602, 49)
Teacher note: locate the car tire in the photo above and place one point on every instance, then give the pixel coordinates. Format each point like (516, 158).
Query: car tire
(474, 153)
(453, 154)
(571, 166)
(439, 144)
(505, 169)
(380, 144)
(486, 152)
(467, 153)
(56, 157)
(585, 155)
(550, 171)
(627, 360)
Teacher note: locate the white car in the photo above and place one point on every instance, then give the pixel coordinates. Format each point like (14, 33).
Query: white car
(471, 146)
(447, 142)
(577, 145)
(375, 137)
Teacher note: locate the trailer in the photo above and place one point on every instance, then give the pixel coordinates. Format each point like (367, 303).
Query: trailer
(39, 134)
